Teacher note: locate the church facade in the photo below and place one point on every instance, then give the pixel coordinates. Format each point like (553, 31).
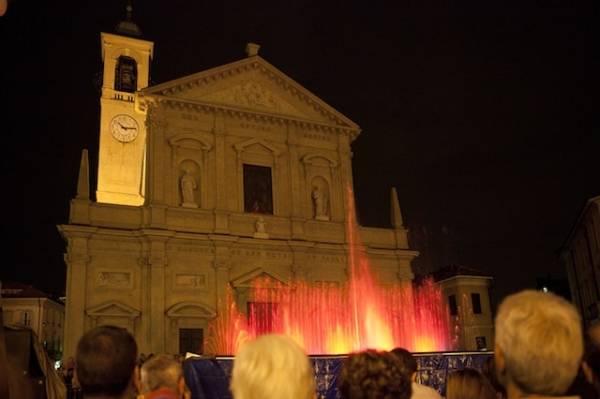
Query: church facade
(206, 183)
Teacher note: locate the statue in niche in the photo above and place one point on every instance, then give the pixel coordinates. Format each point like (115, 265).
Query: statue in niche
(261, 228)
(188, 187)
(320, 201)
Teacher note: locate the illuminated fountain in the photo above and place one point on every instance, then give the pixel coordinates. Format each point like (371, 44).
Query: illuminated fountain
(338, 319)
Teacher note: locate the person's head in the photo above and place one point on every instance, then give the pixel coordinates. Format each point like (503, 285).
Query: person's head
(162, 371)
(272, 366)
(106, 362)
(408, 360)
(538, 343)
(373, 374)
(468, 384)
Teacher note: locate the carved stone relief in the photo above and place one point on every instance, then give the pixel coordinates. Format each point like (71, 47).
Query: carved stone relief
(248, 94)
(113, 279)
(190, 280)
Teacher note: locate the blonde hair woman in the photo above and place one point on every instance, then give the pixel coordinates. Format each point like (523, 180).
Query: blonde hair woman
(468, 384)
(272, 367)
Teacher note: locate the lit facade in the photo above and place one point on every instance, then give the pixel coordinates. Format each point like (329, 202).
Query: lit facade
(580, 254)
(25, 306)
(206, 183)
(467, 294)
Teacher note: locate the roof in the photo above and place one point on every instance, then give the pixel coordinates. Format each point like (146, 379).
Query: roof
(457, 270)
(577, 222)
(13, 289)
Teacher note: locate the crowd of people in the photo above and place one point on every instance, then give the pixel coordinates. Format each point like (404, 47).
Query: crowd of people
(539, 353)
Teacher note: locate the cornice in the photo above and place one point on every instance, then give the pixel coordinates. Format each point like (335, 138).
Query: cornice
(246, 114)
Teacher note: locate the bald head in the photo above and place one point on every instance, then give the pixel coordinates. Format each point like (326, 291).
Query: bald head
(162, 371)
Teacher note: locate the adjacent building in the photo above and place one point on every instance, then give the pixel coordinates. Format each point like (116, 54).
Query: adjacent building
(580, 255)
(467, 292)
(25, 306)
(206, 183)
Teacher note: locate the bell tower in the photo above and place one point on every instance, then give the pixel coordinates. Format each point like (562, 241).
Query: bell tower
(122, 150)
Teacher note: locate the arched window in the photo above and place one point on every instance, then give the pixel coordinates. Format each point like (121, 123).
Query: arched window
(126, 74)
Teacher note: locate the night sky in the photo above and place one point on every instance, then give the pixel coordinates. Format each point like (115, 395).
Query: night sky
(479, 114)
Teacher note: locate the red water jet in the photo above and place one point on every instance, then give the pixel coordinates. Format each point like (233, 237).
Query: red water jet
(331, 318)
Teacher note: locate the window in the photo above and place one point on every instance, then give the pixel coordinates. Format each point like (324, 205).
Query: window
(481, 343)
(476, 301)
(452, 304)
(126, 74)
(25, 318)
(258, 192)
(261, 316)
(191, 340)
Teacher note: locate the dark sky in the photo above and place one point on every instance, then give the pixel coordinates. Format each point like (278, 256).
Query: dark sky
(480, 114)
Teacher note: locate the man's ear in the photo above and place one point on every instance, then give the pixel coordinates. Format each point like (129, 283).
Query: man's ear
(499, 363)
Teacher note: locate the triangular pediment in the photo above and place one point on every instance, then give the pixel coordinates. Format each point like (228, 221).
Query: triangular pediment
(267, 278)
(112, 309)
(254, 85)
(190, 310)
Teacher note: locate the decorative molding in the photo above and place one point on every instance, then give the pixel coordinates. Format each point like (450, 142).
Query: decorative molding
(309, 159)
(191, 141)
(190, 310)
(241, 147)
(246, 279)
(248, 94)
(251, 115)
(113, 309)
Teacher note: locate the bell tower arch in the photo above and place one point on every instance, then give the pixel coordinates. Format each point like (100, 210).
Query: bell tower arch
(122, 151)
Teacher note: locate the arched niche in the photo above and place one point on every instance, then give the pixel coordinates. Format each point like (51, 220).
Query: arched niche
(322, 172)
(189, 178)
(320, 198)
(189, 155)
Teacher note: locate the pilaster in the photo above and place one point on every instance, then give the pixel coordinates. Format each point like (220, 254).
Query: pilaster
(156, 244)
(156, 126)
(77, 259)
(222, 266)
(301, 250)
(221, 211)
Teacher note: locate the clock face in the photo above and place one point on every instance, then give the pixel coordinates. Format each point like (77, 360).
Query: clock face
(124, 128)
